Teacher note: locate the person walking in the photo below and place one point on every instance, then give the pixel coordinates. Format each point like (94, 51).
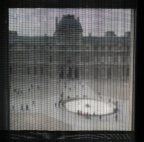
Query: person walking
(27, 108)
(109, 100)
(62, 94)
(38, 87)
(116, 103)
(21, 107)
(55, 104)
(78, 112)
(116, 117)
(100, 117)
(33, 102)
(99, 93)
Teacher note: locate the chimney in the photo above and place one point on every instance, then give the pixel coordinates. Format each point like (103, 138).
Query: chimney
(56, 22)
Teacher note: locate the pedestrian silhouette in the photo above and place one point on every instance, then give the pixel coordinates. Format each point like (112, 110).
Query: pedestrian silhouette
(116, 117)
(38, 87)
(27, 107)
(14, 90)
(78, 112)
(13, 107)
(62, 94)
(100, 117)
(21, 107)
(116, 109)
(109, 100)
(55, 104)
(68, 97)
(87, 115)
(33, 102)
(116, 103)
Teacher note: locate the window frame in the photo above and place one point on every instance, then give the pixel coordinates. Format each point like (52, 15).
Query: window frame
(4, 78)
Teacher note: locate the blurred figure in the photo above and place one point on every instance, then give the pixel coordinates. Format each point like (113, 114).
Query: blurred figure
(100, 117)
(99, 93)
(62, 94)
(116, 117)
(27, 108)
(29, 90)
(38, 87)
(116, 103)
(33, 102)
(78, 112)
(21, 107)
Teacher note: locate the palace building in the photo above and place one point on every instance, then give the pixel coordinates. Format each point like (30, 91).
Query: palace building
(70, 55)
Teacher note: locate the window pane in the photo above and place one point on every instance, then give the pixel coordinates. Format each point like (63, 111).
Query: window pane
(71, 69)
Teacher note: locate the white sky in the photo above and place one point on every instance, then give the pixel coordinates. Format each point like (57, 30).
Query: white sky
(41, 21)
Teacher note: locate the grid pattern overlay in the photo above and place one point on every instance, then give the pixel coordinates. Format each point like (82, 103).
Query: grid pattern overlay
(71, 69)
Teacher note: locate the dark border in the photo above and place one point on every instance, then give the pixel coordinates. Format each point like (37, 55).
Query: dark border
(4, 78)
(72, 3)
(139, 74)
(139, 70)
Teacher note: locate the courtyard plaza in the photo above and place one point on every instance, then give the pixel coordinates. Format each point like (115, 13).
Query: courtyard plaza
(44, 103)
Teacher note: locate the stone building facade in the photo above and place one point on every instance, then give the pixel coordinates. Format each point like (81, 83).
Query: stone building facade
(69, 54)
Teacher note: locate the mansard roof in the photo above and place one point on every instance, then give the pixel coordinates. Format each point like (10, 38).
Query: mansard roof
(90, 40)
(106, 41)
(69, 22)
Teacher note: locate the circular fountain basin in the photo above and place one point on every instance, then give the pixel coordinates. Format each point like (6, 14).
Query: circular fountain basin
(90, 106)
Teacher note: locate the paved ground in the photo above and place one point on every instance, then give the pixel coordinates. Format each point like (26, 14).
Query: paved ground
(33, 101)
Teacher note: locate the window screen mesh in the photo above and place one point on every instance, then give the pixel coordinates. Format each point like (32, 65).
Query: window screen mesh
(71, 69)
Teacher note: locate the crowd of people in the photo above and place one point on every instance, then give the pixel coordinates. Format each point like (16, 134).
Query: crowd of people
(86, 115)
(18, 91)
(61, 100)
